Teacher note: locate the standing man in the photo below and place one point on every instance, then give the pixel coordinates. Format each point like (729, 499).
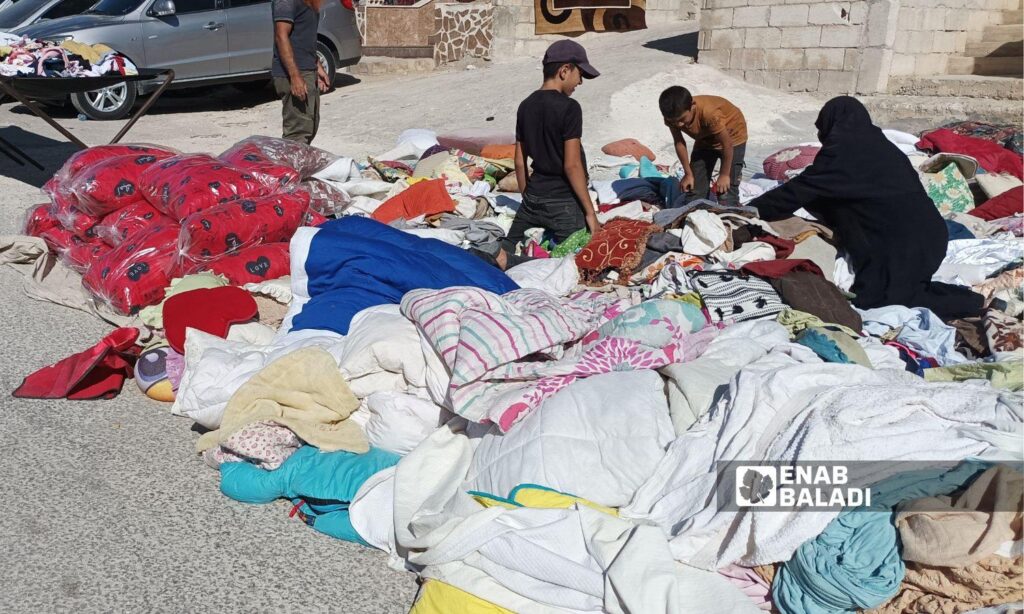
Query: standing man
(298, 77)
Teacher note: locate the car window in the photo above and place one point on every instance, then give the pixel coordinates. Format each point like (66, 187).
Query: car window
(239, 3)
(14, 14)
(68, 7)
(194, 6)
(114, 7)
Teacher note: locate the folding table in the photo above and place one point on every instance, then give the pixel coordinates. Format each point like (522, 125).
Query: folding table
(23, 88)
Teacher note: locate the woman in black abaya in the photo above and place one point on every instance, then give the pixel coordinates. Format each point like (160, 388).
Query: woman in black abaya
(865, 189)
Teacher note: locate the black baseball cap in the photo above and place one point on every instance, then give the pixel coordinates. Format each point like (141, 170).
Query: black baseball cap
(570, 52)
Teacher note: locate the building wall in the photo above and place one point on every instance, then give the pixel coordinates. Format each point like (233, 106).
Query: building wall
(514, 25)
(838, 47)
(930, 31)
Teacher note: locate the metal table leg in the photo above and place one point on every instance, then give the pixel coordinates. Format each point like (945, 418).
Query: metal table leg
(168, 77)
(13, 93)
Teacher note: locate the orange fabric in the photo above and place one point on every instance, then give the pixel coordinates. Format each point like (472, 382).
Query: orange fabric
(423, 198)
(498, 152)
(713, 115)
(628, 147)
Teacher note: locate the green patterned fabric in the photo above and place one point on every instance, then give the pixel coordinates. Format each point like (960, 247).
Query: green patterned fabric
(572, 244)
(949, 191)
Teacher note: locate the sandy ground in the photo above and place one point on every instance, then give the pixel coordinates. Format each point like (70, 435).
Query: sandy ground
(106, 508)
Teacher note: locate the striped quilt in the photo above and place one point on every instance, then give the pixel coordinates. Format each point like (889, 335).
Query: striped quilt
(508, 353)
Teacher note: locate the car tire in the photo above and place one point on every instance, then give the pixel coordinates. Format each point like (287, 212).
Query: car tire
(326, 58)
(114, 102)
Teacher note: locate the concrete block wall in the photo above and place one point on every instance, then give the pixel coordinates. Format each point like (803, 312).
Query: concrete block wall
(803, 45)
(928, 32)
(839, 46)
(514, 25)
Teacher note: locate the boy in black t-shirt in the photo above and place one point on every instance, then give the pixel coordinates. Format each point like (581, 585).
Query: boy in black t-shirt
(549, 125)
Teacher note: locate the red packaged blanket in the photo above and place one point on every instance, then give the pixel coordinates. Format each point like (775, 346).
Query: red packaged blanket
(123, 223)
(135, 274)
(251, 265)
(230, 227)
(187, 184)
(303, 159)
(78, 222)
(39, 218)
(111, 184)
(250, 157)
(992, 157)
(88, 157)
(81, 256)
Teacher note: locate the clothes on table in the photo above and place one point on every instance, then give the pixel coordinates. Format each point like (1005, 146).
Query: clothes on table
(863, 187)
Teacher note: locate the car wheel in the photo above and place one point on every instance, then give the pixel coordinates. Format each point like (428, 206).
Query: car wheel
(114, 102)
(327, 61)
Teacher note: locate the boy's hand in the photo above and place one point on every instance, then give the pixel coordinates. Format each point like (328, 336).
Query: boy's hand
(592, 224)
(686, 183)
(723, 184)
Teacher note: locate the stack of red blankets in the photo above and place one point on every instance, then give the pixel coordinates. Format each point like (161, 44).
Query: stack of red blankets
(132, 217)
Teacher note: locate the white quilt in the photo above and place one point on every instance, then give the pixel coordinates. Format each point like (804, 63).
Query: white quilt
(810, 412)
(598, 439)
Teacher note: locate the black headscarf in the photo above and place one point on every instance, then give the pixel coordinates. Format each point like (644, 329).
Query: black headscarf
(865, 189)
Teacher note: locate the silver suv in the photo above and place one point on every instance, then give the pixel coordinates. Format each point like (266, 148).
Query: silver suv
(206, 42)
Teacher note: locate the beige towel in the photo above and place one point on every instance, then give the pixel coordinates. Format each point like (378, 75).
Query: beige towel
(303, 391)
(944, 590)
(958, 530)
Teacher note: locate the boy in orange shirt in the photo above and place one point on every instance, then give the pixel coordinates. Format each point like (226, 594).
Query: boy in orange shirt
(719, 133)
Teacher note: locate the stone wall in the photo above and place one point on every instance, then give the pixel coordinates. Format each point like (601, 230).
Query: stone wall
(835, 46)
(928, 32)
(463, 30)
(825, 46)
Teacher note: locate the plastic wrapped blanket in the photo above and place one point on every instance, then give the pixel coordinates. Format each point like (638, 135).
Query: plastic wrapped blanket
(110, 184)
(135, 274)
(229, 227)
(122, 224)
(268, 155)
(250, 265)
(92, 155)
(186, 184)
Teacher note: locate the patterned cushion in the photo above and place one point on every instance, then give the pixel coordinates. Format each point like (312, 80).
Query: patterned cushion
(782, 164)
(730, 296)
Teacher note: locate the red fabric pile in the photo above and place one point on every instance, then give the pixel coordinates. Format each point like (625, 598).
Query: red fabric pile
(992, 157)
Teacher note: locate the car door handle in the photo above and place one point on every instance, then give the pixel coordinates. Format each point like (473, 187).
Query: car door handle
(213, 26)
